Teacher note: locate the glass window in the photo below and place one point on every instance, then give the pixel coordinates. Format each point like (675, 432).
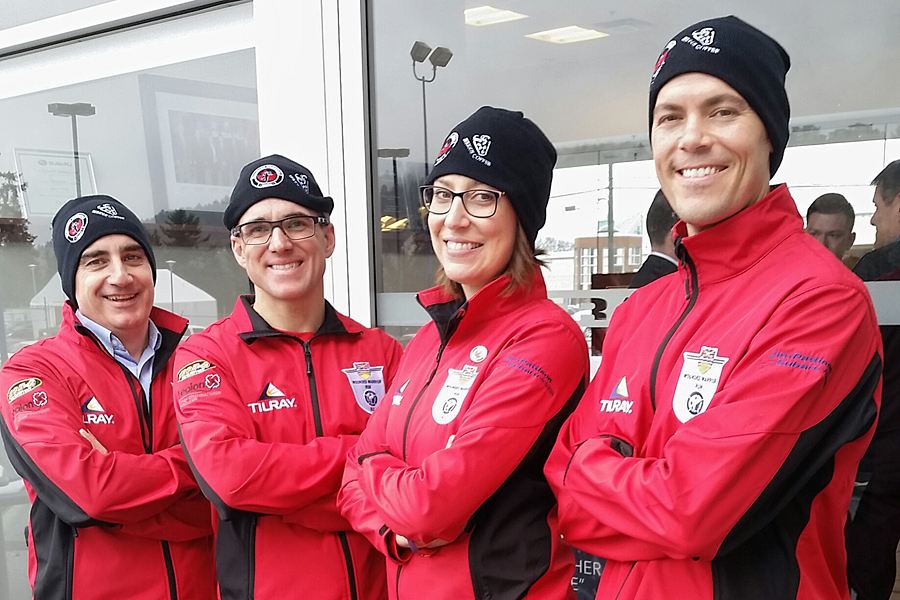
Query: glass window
(590, 97)
(634, 256)
(16, 12)
(168, 142)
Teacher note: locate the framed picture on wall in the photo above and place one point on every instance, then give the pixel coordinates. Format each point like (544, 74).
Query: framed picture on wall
(199, 135)
(47, 179)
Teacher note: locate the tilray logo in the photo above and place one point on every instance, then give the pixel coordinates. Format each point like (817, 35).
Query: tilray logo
(271, 391)
(622, 406)
(92, 413)
(271, 399)
(617, 399)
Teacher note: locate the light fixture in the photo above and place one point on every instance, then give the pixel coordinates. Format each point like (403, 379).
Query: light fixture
(75, 110)
(488, 15)
(440, 57)
(567, 35)
(420, 51)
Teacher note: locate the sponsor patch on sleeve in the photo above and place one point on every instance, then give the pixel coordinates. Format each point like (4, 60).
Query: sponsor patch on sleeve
(20, 388)
(194, 368)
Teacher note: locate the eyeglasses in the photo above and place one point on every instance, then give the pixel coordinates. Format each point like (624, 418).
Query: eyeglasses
(296, 228)
(478, 203)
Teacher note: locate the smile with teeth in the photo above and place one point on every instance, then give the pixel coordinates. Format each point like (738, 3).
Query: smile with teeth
(700, 172)
(286, 267)
(462, 245)
(120, 298)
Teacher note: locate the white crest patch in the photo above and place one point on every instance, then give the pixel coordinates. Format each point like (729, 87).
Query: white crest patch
(482, 144)
(705, 36)
(450, 398)
(368, 385)
(697, 383)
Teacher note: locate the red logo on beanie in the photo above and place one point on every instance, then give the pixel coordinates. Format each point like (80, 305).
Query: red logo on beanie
(75, 227)
(266, 176)
(662, 59)
(448, 145)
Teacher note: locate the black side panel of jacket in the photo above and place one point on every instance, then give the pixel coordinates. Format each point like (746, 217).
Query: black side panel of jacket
(510, 545)
(53, 497)
(236, 557)
(54, 549)
(758, 558)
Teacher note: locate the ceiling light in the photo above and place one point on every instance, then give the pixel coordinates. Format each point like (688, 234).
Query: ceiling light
(488, 15)
(567, 35)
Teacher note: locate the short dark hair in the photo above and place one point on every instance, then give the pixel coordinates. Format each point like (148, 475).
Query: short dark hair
(660, 219)
(832, 204)
(889, 180)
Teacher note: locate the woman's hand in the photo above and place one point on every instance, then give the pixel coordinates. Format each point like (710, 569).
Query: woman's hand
(402, 542)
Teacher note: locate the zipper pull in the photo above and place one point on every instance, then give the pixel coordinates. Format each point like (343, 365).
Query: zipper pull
(308, 357)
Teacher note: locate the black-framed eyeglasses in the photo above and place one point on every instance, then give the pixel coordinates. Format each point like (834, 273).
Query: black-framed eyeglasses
(298, 227)
(478, 203)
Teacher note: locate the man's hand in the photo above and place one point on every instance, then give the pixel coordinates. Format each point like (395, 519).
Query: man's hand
(94, 441)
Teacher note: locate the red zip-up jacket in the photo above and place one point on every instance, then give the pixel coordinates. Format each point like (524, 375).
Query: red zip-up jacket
(715, 451)
(267, 419)
(457, 453)
(128, 524)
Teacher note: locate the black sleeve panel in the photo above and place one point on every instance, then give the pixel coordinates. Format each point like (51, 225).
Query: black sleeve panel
(54, 498)
(758, 557)
(510, 545)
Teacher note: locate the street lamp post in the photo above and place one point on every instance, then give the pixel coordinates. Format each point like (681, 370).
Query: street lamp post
(33, 280)
(171, 263)
(78, 109)
(439, 57)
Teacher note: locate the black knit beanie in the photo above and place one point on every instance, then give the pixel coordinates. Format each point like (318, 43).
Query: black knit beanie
(506, 151)
(742, 56)
(275, 177)
(81, 222)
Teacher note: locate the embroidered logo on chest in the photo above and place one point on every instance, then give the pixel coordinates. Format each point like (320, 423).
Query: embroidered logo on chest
(697, 383)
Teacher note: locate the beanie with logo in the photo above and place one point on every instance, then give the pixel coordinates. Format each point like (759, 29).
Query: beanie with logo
(507, 151)
(742, 56)
(275, 177)
(81, 222)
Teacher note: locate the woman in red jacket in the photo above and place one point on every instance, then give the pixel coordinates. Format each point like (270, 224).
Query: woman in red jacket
(446, 480)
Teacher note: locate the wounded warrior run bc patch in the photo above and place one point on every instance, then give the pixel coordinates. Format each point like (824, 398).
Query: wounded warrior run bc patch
(194, 368)
(20, 388)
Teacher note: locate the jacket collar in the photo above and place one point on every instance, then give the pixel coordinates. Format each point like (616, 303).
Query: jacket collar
(251, 326)
(488, 303)
(739, 242)
(171, 328)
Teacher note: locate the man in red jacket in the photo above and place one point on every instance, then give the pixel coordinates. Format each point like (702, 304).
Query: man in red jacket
(714, 454)
(271, 399)
(89, 423)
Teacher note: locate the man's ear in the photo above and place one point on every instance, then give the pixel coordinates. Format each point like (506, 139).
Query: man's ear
(328, 232)
(237, 248)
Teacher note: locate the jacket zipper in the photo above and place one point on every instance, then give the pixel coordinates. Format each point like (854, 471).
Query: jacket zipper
(317, 420)
(170, 570)
(412, 408)
(399, 568)
(313, 392)
(145, 418)
(691, 292)
(351, 574)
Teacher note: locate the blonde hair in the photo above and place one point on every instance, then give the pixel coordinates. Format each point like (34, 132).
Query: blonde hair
(521, 266)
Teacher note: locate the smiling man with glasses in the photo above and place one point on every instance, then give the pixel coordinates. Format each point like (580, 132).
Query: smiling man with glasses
(271, 398)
